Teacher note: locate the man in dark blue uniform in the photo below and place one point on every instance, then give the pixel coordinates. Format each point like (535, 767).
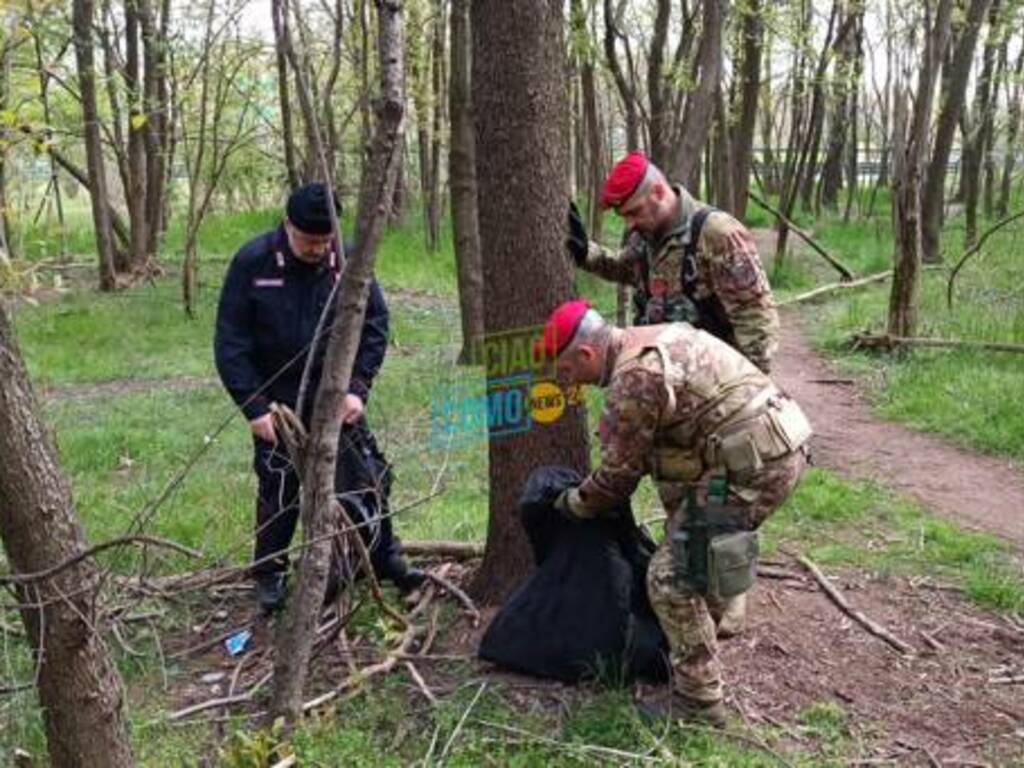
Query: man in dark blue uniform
(274, 293)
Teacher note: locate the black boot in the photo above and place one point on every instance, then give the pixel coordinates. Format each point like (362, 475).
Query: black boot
(271, 591)
(401, 574)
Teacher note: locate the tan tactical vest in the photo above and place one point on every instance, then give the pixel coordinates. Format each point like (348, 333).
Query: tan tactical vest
(721, 410)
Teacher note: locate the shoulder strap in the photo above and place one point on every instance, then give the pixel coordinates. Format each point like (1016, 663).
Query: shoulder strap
(689, 276)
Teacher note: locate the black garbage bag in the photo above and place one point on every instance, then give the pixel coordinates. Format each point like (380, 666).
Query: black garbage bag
(584, 611)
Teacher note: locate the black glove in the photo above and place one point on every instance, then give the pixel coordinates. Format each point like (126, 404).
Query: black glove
(577, 243)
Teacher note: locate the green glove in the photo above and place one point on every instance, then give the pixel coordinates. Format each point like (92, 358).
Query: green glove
(577, 243)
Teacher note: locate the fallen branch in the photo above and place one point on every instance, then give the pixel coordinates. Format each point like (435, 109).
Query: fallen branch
(451, 550)
(973, 250)
(411, 633)
(457, 593)
(841, 268)
(783, 574)
(1012, 680)
(421, 683)
(887, 342)
(875, 629)
(840, 286)
(932, 642)
(223, 701)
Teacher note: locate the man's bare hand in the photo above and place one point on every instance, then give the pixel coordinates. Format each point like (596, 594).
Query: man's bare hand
(263, 428)
(352, 409)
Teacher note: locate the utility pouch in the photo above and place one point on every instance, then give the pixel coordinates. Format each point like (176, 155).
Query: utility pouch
(732, 563)
(789, 423)
(739, 453)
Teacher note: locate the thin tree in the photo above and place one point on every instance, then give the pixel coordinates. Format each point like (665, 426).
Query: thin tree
(82, 21)
(462, 174)
(752, 37)
(297, 628)
(954, 91)
(906, 192)
(522, 164)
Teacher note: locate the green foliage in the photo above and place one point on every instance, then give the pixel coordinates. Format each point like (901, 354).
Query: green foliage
(826, 720)
(255, 749)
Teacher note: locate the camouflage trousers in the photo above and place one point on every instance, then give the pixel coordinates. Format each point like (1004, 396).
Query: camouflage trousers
(689, 618)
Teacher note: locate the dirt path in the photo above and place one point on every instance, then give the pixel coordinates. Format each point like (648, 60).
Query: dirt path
(977, 491)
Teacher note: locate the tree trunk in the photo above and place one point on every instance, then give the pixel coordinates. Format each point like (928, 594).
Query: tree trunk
(291, 164)
(721, 178)
(7, 248)
(521, 158)
(752, 31)
(80, 692)
(82, 17)
(135, 193)
(627, 93)
(44, 97)
(988, 194)
(435, 206)
(158, 119)
(976, 139)
(700, 104)
(462, 174)
(296, 630)
(952, 100)
(1012, 132)
(906, 197)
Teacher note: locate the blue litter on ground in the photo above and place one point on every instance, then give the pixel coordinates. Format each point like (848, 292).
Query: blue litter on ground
(237, 642)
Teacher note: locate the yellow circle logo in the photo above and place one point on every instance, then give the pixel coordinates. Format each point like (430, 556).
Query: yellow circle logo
(547, 403)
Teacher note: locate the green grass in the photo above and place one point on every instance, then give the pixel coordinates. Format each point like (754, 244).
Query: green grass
(859, 524)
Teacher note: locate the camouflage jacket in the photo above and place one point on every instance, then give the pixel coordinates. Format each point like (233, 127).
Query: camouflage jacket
(725, 291)
(669, 388)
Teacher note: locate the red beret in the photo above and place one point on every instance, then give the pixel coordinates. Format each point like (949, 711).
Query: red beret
(623, 179)
(560, 328)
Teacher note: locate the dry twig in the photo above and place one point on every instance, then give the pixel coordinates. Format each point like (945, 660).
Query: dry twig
(836, 596)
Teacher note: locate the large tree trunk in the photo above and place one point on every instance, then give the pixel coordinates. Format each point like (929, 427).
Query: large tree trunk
(297, 629)
(521, 160)
(80, 692)
(906, 194)
(462, 172)
(82, 17)
(700, 104)
(952, 104)
(752, 31)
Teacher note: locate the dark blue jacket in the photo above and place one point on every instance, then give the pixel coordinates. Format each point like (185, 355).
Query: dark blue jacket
(269, 307)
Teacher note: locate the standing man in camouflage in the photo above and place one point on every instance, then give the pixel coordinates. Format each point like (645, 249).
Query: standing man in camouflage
(724, 447)
(684, 260)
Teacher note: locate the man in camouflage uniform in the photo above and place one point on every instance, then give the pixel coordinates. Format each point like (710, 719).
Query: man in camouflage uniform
(683, 259)
(687, 409)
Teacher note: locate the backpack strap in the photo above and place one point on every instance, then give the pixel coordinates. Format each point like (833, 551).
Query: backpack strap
(689, 265)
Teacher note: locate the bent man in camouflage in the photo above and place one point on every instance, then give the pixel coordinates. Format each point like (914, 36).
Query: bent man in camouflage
(684, 260)
(675, 397)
